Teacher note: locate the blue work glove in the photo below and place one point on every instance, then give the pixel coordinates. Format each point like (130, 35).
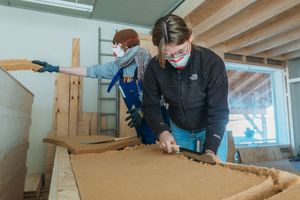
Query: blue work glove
(46, 67)
(135, 117)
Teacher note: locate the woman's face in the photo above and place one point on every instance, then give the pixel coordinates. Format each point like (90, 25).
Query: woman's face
(172, 51)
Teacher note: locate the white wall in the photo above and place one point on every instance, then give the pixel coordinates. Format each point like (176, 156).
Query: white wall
(35, 35)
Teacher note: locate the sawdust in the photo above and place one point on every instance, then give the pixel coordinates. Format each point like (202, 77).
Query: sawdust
(146, 173)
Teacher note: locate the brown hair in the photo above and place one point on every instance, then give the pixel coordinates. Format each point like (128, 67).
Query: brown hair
(127, 37)
(170, 29)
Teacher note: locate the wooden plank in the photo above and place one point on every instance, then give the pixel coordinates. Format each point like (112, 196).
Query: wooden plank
(286, 23)
(187, 7)
(257, 14)
(63, 185)
(80, 144)
(74, 93)
(33, 185)
(93, 123)
(284, 49)
(49, 160)
(227, 11)
(231, 147)
(63, 103)
(271, 43)
(260, 154)
(124, 129)
(289, 56)
(18, 64)
(84, 123)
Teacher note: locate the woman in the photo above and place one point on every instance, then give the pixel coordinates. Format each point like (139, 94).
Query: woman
(193, 82)
(128, 69)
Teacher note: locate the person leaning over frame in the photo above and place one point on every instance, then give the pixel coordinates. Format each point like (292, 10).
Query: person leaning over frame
(193, 81)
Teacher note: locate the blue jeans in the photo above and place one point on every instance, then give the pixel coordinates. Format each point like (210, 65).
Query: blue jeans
(188, 139)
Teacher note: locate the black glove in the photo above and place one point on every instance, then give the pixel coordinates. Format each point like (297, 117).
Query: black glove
(135, 117)
(46, 67)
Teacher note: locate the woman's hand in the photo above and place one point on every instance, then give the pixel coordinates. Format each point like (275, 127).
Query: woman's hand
(165, 141)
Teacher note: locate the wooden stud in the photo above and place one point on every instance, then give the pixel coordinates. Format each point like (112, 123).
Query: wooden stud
(74, 93)
(63, 103)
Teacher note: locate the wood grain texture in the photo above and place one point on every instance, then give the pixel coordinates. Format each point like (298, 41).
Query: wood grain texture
(18, 64)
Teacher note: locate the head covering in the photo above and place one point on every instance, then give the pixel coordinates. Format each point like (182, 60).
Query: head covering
(127, 37)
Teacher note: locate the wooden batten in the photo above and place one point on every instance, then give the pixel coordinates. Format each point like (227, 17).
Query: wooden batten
(74, 90)
(63, 103)
(63, 184)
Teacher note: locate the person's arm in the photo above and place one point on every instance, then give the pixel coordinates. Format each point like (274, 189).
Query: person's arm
(106, 70)
(152, 112)
(77, 71)
(218, 110)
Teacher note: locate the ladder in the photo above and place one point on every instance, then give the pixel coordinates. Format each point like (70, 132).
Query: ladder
(108, 103)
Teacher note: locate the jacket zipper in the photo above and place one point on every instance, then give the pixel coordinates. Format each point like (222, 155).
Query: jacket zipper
(181, 98)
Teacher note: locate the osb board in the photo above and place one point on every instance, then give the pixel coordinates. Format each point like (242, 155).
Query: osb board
(18, 64)
(75, 143)
(146, 173)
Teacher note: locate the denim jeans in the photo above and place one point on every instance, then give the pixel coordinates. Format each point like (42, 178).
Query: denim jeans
(188, 139)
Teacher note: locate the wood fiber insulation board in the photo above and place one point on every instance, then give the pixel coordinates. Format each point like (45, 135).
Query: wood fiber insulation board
(75, 146)
(18, 64)
(145, 172)
(292, 193)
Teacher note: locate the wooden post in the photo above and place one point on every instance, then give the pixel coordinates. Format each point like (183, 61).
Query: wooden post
(74, 91)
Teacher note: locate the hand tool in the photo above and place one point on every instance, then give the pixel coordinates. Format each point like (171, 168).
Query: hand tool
(197, 156)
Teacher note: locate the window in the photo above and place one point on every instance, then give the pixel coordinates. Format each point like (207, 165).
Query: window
(257, 105)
